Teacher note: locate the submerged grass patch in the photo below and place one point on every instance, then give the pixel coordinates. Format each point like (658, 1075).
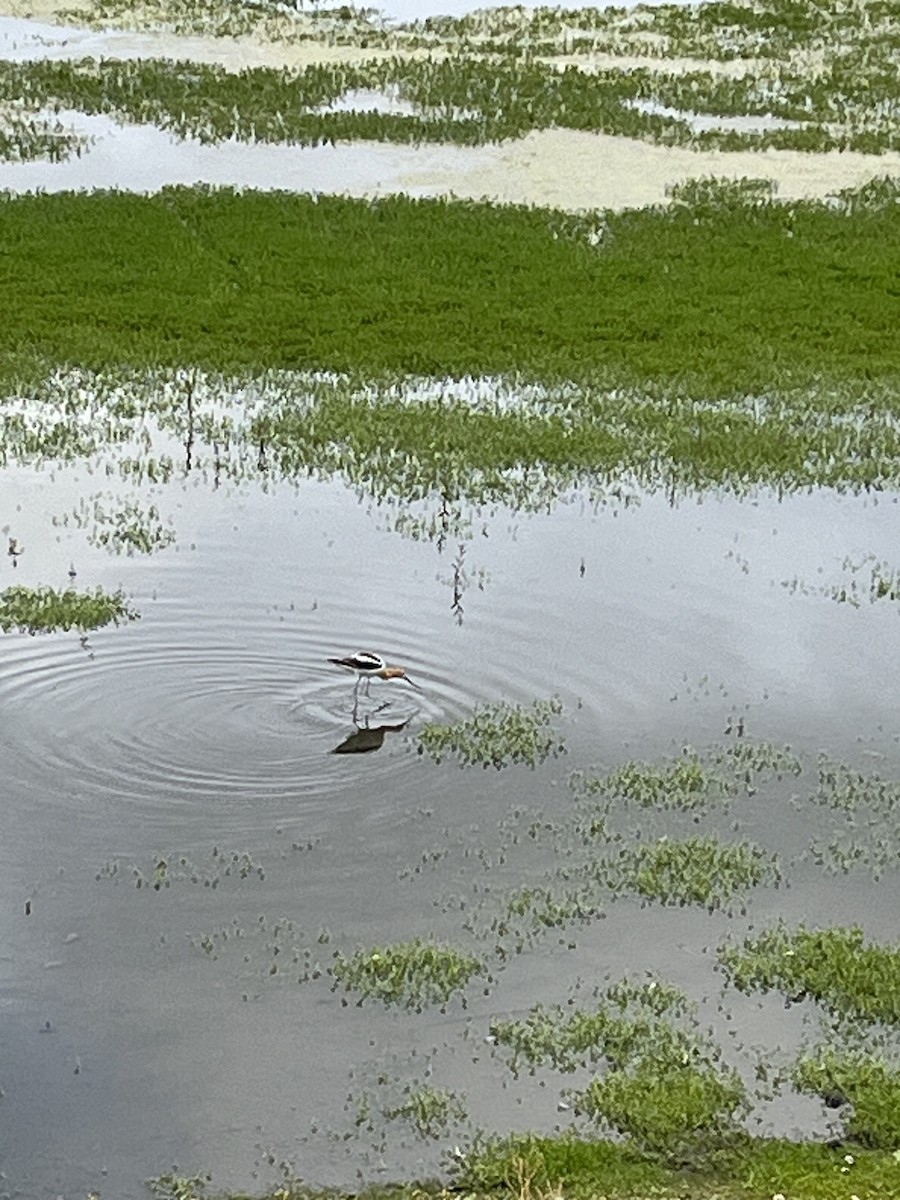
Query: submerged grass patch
(430, 1111)
(834, 966)
(686, 784)
(26, 135)
(663, 1086)
(497, 735)
(672, 1109)
(631, 1020)
(697, 870)
(434, 450)
(46, 610)
(865, 1087)
(414, 974)
(693, 782)
(167, 869)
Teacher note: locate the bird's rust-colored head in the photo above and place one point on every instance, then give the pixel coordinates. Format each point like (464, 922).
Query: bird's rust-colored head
(392, 672)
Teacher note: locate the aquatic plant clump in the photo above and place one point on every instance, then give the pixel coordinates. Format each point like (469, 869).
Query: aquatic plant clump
(46, 610)
(669, 1109)
(835, 967)
(413, 974)
(632, 1020)
(497, 735)
(27, 136)
(865, 1087)
(697, 870)
(430, 1111)
(685, 784)
(692, 782)
(663, 1086)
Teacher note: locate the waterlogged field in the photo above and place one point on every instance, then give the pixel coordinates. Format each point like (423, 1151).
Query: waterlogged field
(339, 99)
(602, 901)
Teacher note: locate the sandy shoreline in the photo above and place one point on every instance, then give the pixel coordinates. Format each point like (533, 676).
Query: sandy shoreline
(560, 168)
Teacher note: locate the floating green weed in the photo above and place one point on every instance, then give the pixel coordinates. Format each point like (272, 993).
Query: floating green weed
(497, 735)
(413, 974)
(834, 966)
(45, 610)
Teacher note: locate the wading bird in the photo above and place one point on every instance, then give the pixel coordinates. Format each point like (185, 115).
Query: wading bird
(367, 666)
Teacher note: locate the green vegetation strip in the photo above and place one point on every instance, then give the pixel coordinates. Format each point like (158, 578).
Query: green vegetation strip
(718, 294)
(754, 1169)
(828, 66)
(45, 610)
(774, 30)
(468, 101)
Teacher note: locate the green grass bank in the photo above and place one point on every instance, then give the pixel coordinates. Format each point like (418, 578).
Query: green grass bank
(527, 1167)
(725, 291)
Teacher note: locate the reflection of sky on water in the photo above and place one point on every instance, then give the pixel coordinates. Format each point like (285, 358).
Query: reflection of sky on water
(143, 158)
(26, 41)
(22, 39)
(704, 122)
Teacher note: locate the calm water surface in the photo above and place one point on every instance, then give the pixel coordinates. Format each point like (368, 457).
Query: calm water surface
(202, 736)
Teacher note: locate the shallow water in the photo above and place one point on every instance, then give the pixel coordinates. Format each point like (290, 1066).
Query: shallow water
(201, 738)
(144, 158)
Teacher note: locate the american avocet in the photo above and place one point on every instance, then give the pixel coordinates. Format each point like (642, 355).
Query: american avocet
(368, 666)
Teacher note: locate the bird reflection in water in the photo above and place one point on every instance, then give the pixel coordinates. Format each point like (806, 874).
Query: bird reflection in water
(366, 737)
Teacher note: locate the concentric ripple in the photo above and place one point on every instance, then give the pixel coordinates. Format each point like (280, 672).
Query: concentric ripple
(186, 714)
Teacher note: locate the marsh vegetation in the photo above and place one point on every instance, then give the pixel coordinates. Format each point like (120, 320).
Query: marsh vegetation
(540, 454)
